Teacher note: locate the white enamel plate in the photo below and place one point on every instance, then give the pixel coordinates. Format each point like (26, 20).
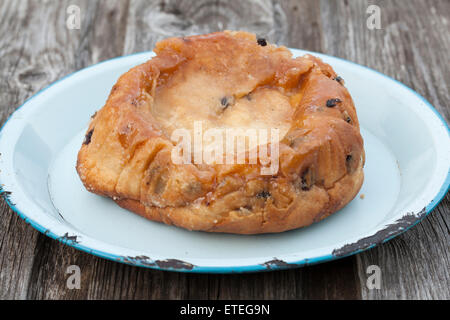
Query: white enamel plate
(406, 174)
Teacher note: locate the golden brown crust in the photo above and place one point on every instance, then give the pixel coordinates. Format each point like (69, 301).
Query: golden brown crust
(127, 152)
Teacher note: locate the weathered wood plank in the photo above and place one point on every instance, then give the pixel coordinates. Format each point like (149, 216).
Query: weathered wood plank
(151, 22)
(411, 47)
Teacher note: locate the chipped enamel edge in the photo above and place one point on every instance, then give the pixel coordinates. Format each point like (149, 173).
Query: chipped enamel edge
(383, 234)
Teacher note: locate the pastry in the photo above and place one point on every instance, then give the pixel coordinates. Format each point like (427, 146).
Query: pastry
(226, 80)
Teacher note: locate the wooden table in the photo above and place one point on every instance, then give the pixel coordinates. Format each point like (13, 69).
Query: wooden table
(412, 46)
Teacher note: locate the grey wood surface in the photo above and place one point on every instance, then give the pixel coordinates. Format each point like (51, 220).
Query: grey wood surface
(36, 49)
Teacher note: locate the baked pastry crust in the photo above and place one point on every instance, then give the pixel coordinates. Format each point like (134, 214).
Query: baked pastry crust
(126, 154)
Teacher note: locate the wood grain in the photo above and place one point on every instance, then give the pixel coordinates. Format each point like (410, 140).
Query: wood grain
(36, 49)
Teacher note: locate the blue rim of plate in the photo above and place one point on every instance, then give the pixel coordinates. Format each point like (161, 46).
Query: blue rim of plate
(233, 269)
